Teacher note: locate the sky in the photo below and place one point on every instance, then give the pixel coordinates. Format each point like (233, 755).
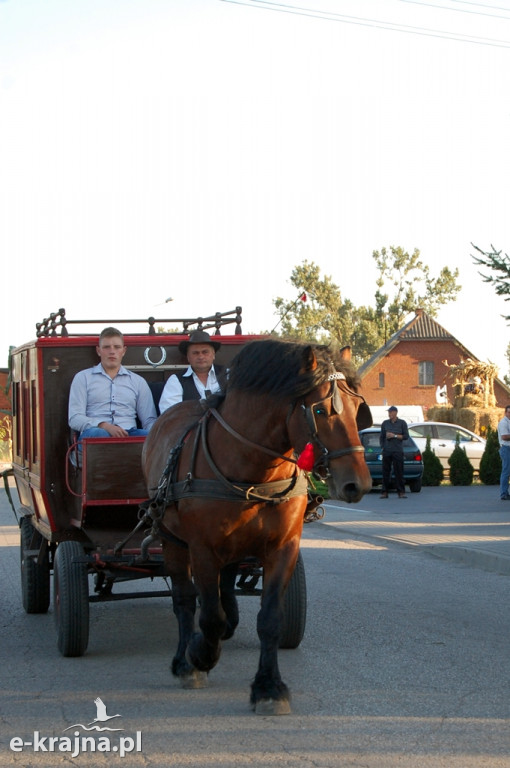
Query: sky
(201, 149)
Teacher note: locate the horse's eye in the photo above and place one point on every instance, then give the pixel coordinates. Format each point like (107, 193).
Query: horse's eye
(320, 411)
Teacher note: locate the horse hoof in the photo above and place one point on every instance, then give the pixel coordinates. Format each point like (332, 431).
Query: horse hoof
(194, 680)
(272, 707)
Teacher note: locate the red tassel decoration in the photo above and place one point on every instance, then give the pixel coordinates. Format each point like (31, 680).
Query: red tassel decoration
(306, 458)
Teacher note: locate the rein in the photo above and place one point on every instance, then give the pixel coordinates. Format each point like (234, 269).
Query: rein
(245, 440)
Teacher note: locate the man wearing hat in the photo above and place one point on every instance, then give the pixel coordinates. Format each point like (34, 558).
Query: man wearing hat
(393, 433)
(201, 378)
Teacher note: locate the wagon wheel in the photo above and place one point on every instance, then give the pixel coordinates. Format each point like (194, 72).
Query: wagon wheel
(294, 608)
(35, 577)
(71, 599)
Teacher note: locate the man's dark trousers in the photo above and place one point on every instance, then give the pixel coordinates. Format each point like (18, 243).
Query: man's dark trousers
(397, 459)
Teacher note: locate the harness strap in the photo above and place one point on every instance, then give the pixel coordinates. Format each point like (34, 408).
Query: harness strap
(280, 488)
(276, 492)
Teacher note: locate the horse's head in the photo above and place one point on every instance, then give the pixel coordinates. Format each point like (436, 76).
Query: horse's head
(314, 390)
(328, 417)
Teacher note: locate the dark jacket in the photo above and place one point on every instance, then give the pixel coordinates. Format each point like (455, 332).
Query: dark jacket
(397, 427)
(189, 390)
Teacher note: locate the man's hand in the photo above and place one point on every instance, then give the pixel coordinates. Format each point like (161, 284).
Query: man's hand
(113, 430)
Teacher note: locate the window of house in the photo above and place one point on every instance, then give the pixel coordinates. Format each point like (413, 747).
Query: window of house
(426, 373)
(381, 379)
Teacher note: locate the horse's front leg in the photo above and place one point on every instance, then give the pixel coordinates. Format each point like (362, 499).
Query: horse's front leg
(228, 598)
(269, 694)
(184, 598)
(204, 647)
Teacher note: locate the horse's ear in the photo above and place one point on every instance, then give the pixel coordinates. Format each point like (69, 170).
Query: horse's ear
(345, 354)
(309, 359)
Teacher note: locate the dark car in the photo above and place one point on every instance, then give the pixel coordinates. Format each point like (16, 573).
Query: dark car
(413, 462)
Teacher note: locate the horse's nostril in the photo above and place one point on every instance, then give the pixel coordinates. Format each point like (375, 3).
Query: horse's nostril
(352, 492)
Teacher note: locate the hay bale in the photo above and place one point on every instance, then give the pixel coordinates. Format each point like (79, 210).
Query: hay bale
(477, 420)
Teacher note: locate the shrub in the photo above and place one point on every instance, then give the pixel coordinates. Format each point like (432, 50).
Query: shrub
(433, 471)
(319, 487)
(461, 469)
(490, 463)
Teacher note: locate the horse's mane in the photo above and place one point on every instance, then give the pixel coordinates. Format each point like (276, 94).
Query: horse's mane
(278, 368)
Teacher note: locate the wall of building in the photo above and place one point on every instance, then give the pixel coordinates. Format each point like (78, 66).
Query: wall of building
(401, 382)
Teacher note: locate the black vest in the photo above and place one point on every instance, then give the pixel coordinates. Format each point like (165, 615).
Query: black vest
(189, 390)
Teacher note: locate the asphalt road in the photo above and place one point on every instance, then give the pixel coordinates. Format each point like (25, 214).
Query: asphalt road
(405, 663)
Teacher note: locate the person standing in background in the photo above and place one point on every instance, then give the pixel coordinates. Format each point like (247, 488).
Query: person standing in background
(393, 433)
(504, 452)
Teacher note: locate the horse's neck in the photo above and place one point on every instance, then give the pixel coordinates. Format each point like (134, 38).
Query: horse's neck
(259, 419)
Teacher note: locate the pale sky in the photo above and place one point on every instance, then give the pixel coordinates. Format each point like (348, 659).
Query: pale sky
(201, 149)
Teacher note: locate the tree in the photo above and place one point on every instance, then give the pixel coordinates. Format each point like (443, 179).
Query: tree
(327, 317)
(321, 315)
(433, 472)
(500, 264)
(324, 316)
(490, 463)
(412, 287)
(461, 469)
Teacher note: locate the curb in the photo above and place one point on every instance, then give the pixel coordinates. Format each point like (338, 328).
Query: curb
(484, 560)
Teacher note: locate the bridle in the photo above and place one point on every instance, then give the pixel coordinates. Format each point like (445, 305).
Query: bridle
(309, 411)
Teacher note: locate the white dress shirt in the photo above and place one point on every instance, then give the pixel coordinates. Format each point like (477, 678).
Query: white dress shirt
(172, 393)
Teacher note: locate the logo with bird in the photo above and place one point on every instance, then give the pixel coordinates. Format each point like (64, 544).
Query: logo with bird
(101, 717)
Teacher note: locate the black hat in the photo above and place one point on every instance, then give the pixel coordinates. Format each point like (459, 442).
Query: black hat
(393, 408)
(198, 337)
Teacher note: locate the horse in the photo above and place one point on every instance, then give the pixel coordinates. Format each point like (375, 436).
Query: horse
(226, 485)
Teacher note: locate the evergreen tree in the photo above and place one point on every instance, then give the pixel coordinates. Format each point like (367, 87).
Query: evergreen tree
(461, 469)
(433, 472)
(490, 463)
(499, 263)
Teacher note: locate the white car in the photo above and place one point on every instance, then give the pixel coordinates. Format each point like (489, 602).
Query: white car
(442, 440)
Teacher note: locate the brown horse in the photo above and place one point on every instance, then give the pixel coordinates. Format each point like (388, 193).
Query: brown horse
(226, 485)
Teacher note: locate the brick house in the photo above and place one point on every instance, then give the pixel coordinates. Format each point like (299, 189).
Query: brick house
(408, 369)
